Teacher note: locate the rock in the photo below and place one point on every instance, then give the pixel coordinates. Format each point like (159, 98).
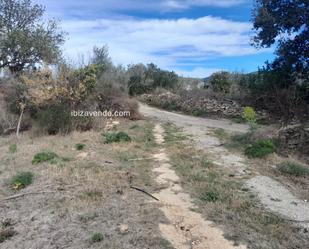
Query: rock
(123, 228)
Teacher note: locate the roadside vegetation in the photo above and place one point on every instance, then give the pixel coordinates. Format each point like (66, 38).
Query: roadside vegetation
(222, 198)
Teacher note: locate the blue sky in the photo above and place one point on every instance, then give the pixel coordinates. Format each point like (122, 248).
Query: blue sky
(192, 37)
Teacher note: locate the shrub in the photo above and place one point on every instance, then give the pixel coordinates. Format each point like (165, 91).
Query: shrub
(210, 196)
(260, 148)
(80, 146)
(55, 118)
(21, 180)
(116, 137)
(220, 82)
(292, 168)
(249, 114)
(45, 156)
(97, 237)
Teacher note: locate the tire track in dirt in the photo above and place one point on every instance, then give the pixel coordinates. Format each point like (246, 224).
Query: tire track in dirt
(187, 229)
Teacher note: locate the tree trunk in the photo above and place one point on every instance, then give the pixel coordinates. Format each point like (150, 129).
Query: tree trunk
(19, 121)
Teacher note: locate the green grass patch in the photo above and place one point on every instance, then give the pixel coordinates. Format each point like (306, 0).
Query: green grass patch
(45, 156)
(13, 148)
(220, 133)
(116, 137)
(21, 180)
(294, 169)
(209, 196)
(260, 148)
(97, 237)
(238, 120)
(80, 146)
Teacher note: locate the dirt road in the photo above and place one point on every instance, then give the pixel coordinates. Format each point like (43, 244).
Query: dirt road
(200, 130)
(286, 205)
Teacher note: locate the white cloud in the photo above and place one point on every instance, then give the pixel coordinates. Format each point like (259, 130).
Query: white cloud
(162, 41)
(199, 72)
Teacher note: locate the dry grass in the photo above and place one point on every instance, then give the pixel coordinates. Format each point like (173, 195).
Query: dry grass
(87, 194)
(223, 199)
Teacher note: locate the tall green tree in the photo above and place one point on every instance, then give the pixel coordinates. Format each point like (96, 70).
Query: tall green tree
(284, 23)
(25, 39)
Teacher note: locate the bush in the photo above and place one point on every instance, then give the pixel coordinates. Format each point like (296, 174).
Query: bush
(260, 148)
(292, 168)
(220, 82)
(97, 237)
(55, 118)
(21, 180)
(116, 137)
(80, 146)
(45, 156)
(210, 196)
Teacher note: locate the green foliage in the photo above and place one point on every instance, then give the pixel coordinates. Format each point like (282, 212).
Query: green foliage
(55, 118)
(87, 76)
(116, 137)
(24, 32)
(45, 156)
(80, 146)
(292, 168)
(97, 237)
(220, 82)
(21, 180)
(209, 196)
(145, 79)
(260, 148)
(238, 120)
(250, 116)
(101, 59)
(13, 148)
(284, 23)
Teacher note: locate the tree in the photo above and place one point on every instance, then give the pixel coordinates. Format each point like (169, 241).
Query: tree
(285, 23)
(102, 59)
(25, 39)
(220, 81)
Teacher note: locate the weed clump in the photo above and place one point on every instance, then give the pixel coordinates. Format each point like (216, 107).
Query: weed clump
(116, 137)
(292, 168)
(210, 196)
(80, 146)
(97, 237)
(13, 148)
(21, 180)
(260, 148)
(45, 156)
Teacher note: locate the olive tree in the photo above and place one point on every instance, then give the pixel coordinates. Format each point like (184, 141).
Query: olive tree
(25, 39)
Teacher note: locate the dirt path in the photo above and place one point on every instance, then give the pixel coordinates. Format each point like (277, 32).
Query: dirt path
(272, 194)
(200, 129)
(187, 229)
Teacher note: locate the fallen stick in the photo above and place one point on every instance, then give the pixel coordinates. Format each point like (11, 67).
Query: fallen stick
(29, 193)
(145, 192)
